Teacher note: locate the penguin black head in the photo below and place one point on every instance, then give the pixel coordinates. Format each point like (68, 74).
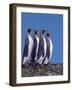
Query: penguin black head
(47, 34)
(35, 32)
(29, 30)
(43, 31)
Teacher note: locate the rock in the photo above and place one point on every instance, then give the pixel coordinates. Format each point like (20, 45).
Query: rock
(43, 70)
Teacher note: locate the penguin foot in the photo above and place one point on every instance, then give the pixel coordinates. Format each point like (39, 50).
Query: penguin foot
(23, 65)
(37, 65)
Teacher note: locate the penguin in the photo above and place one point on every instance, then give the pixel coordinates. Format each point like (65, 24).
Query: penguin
(35, 47)
(37, 38)
(49, 48)
(28, 48)
(42, 48)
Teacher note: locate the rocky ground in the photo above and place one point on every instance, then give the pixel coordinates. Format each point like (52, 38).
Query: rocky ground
(43, 70)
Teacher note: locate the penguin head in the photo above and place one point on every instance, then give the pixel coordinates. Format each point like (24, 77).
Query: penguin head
(47, 34)
(42, 32)
(35, 33)
(28, 31)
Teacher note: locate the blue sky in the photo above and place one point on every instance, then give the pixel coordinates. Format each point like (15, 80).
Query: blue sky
(51, 22)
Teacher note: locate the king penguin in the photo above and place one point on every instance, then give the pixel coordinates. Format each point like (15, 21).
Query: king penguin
(42, 48)
(35, 47)
(49, 48)
(28, 48)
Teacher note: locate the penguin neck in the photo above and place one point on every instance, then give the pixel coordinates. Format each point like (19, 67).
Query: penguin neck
(29, 36)
(36, 37)
(41, 37)
(48, 37)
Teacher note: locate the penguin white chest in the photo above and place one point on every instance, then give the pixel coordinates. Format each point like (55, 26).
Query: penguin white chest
(51, 47)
